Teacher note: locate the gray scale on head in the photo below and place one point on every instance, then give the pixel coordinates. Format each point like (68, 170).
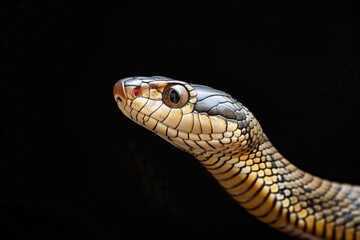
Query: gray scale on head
(215, 102)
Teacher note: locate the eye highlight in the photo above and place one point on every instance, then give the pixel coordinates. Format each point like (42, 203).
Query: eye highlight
(175, 96)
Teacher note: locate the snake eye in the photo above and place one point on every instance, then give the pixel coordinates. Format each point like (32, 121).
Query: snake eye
(175, 96)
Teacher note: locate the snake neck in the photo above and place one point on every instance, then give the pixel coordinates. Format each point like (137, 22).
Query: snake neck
(278, 193)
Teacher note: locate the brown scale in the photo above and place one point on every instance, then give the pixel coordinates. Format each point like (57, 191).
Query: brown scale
(228, 140)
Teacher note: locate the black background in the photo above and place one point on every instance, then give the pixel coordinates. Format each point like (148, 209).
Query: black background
(73, 167)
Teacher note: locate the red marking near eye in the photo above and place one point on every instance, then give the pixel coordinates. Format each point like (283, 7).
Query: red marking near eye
(137, 92)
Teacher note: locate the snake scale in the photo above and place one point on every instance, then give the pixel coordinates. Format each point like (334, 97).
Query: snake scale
(229, 142)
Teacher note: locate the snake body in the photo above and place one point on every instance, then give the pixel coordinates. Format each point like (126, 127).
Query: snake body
(229, 142)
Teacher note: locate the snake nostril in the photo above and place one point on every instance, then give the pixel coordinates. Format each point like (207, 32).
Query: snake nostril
(119, 93)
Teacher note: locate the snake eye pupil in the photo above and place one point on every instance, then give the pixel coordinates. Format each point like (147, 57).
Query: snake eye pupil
(174, 96)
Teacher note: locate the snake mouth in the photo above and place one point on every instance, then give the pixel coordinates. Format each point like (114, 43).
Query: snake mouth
(119, 91)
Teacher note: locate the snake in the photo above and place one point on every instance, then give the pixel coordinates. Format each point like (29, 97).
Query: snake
(227, 139)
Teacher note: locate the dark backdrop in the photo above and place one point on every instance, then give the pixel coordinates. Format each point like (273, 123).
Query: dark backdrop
(73, 167)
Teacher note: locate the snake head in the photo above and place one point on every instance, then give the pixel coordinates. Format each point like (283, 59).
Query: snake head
(195, 118)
